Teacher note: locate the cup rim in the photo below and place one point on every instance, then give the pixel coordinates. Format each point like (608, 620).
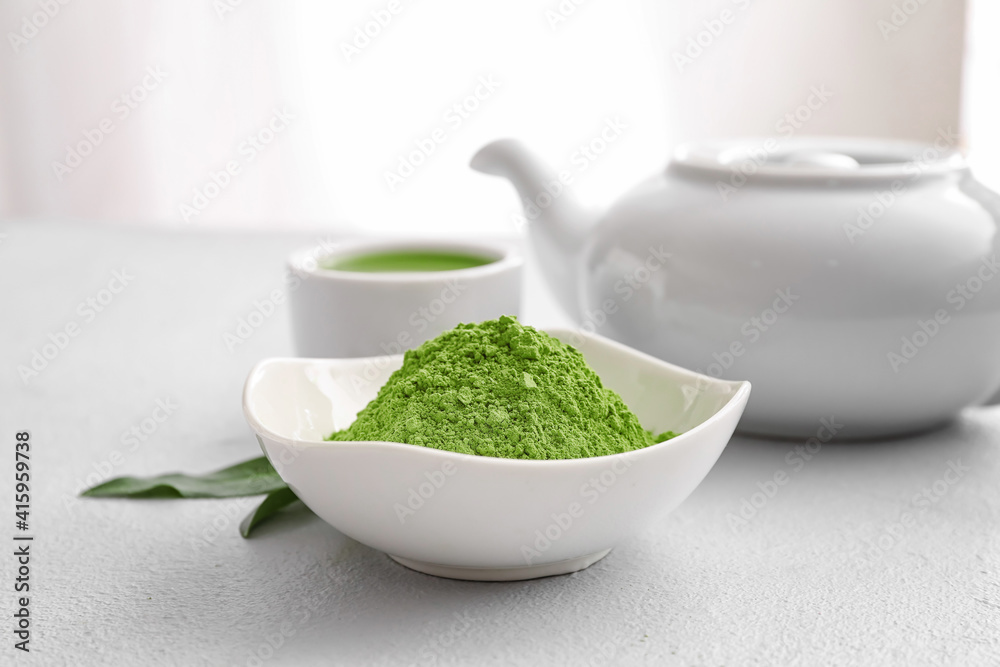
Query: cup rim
(305, 262)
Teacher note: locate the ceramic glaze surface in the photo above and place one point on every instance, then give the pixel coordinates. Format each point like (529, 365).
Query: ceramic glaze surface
(847, 279)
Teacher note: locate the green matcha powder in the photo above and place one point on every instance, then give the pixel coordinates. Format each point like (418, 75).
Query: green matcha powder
(500, 389)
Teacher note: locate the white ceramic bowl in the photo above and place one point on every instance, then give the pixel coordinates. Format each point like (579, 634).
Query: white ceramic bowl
(481, 518)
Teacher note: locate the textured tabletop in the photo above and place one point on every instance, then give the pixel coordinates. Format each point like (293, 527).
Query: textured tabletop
(881, 553)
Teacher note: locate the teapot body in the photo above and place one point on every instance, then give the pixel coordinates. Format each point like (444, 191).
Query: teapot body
(859, 302)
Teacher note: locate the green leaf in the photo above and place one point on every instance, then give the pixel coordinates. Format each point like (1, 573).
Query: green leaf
(250, 478)
(275, 501)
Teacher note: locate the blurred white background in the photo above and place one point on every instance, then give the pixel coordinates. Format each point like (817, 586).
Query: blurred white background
(132, 112)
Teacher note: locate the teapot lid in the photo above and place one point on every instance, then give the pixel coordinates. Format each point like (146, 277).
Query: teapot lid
(821, 158)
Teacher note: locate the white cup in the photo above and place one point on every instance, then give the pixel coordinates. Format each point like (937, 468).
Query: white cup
(338, 313)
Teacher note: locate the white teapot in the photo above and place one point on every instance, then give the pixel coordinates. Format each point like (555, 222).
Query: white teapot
(853, 282)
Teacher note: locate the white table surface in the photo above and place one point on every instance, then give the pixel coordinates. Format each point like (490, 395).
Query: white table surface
(825, 573)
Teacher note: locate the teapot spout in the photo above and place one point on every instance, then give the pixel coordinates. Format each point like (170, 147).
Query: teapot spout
(557, 224)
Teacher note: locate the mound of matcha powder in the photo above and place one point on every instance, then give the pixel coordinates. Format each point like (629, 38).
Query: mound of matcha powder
(500, 389)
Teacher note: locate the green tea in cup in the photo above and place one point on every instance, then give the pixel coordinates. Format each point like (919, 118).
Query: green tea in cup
(398, 261)
(377, 297)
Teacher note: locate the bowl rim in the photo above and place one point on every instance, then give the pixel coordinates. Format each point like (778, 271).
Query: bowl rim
(741, 388)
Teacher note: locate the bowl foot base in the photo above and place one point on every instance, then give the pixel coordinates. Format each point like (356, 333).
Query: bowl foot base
(852, 433)
(503, 573)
